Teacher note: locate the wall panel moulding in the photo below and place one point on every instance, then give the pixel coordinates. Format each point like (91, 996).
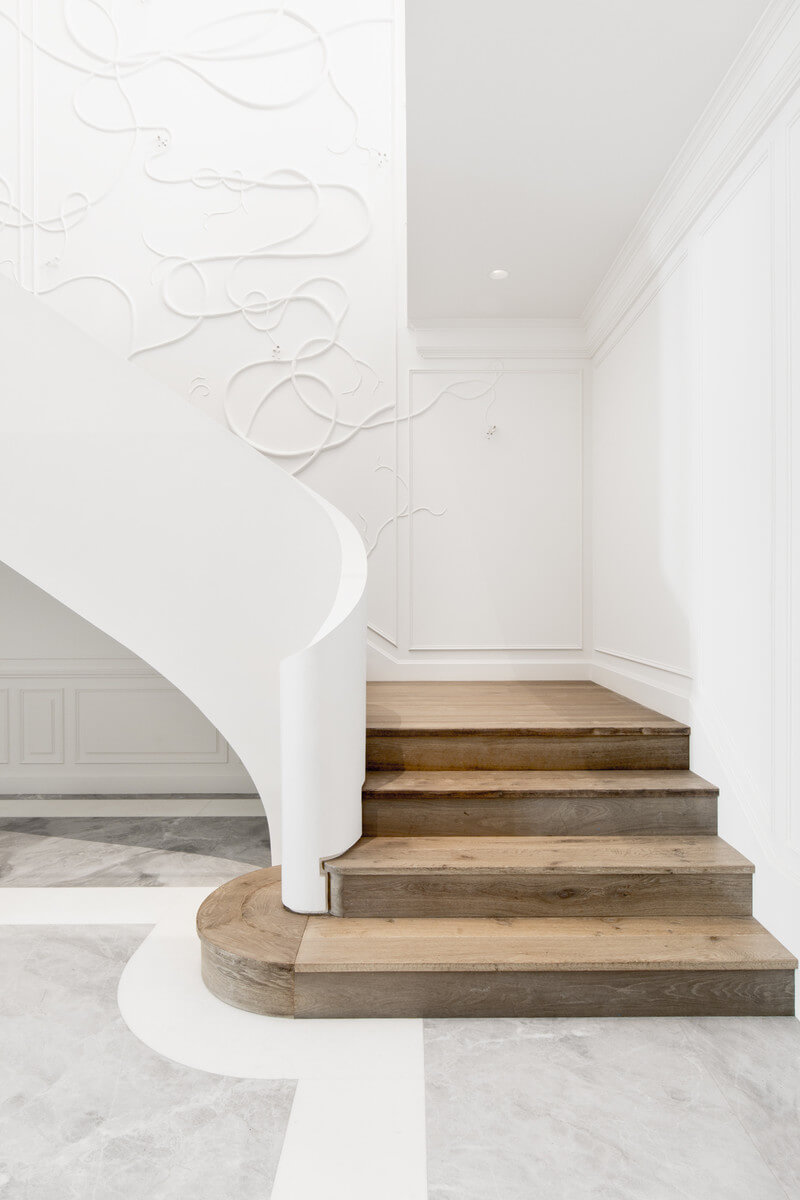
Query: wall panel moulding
(508, 339)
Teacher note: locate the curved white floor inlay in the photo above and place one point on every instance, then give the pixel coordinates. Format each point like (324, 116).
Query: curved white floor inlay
(357, 1125)
(166, 1004)
(357, 1128)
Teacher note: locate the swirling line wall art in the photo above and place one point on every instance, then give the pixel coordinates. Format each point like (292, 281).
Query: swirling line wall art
(214, 197)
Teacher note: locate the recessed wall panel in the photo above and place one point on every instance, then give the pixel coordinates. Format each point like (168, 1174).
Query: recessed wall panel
(146, 724)
(495, 510)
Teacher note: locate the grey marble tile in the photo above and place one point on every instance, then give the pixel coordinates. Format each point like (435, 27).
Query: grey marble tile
(228, 837)
(129, 852)
(755, 1062)
(579, 1109)
(88, 1112)
(173, 1132)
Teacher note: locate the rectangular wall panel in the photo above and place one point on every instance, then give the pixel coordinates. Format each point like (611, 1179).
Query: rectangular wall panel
(643, 485)
(41, 725)
(735, 662)
(495, 510)
(144, 724)
(4, 730)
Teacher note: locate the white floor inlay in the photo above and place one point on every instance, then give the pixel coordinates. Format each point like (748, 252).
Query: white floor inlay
(357, 1126)
(93, 905)
(166, 1004)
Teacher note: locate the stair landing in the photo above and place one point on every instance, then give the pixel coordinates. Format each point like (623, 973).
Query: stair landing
(530, 849)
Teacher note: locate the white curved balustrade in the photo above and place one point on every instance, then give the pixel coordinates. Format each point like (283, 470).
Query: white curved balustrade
(207, 560)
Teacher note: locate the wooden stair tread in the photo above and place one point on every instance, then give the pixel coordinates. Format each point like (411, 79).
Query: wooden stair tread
(476, 785)
(531, 849)
(248, 916)
(538, 944)
(249, 943)
(539, 855)
(516, 706)
(259, 957)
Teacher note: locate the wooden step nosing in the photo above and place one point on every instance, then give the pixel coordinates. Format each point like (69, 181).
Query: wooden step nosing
(514, 731)
(424, 966)
(464, 869)
(409, 795)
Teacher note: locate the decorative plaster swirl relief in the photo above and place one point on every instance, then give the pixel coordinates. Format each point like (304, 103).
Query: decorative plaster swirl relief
(211, 193)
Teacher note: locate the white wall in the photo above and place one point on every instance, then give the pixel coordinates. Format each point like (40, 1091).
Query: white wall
(693, 462)
(80, 714)
(224, 203)
(642, 493)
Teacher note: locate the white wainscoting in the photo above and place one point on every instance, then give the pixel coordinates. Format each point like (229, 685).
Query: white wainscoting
(736, 576)
(722, 318)
(642, 483)
(90, 726)
(495, 526)
(5, 738)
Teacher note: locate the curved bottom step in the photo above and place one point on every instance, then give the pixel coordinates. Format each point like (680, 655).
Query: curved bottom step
(259, 956)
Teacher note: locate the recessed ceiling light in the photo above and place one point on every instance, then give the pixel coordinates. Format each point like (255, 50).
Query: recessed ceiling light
(499, 273)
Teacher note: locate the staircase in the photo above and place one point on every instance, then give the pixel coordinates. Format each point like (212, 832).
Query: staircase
(528, 849)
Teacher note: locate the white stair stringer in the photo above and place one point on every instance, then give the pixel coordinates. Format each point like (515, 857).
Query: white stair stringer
(207, 560)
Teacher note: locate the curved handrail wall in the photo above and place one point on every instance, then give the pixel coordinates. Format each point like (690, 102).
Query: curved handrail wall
(323, 735)
(174, 537)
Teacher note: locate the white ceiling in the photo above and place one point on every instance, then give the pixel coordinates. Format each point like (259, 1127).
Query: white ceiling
(537, 132)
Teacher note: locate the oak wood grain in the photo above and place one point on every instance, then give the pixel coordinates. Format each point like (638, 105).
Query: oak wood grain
(546, 994)
(491, 785)
(539, 944)
(539, 855)
(519, 803)
(527, 750)
(528, 816)
(249, 943)
(508, 705)
(481, 894)
(532, 849)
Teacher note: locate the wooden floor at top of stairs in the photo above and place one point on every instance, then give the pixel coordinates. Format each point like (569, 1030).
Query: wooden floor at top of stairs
(574, 706)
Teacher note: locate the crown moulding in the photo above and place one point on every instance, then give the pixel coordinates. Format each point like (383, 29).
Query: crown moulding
(760, 81)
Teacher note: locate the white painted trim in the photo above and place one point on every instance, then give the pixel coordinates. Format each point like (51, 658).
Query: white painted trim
(679, 199)
(148, 805)
(69, 769)
(640, 305)
(488, 339)
(662, 694)
(32, 668)
(644, 662)
(146, 779)
(492, 353)
(416, 647)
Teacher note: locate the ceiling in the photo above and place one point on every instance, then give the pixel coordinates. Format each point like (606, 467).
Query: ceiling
(537, 132)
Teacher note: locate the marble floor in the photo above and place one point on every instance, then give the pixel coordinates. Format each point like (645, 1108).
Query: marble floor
(75, 851)
(90, 1113)
(690, 1109)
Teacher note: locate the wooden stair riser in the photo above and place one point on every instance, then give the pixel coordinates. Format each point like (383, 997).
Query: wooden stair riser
(545, 993)
(386, 815)
(454, 751)
(477, 894)
(259, 957)
(487, 887)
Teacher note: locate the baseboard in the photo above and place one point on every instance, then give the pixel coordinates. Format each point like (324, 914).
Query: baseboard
(106, 725)
(383, 664)
(154, 807)
(130, 780)
(659, 689)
